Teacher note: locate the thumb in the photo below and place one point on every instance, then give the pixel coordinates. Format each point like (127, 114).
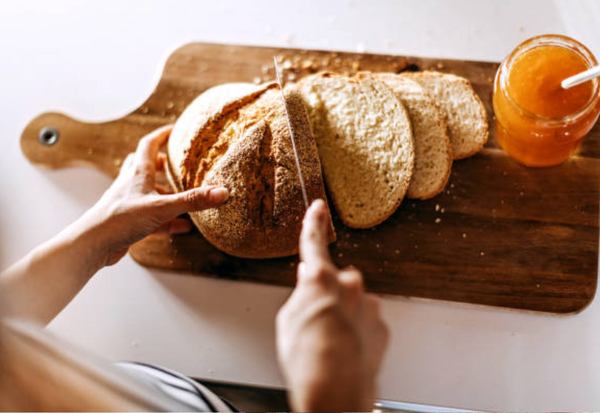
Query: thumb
(196, 199)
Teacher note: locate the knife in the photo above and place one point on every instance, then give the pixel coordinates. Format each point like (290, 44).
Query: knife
(292, 136)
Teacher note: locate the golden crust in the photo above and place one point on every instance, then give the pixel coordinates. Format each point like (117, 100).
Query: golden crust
(245, 146)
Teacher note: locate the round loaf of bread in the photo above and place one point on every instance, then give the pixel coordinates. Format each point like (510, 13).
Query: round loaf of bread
(237, 136)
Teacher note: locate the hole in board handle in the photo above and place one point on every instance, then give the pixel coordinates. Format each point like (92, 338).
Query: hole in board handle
(48, 136)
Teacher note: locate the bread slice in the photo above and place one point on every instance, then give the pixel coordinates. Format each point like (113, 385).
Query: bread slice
(461, 108)
(433, 151)
(365, 142)
(237, 136)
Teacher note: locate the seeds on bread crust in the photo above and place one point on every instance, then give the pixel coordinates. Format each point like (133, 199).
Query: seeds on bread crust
(245, 146)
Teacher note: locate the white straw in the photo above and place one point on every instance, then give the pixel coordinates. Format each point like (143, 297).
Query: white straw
(581, 77)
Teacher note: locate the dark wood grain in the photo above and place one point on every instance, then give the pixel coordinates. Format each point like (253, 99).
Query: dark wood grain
(500, 234)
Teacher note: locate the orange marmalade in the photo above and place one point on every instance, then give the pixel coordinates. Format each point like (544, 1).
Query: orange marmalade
(537, 122)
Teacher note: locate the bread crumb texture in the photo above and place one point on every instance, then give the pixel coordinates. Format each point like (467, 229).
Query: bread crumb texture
(433, 150)
(365, 142)
(461, 108)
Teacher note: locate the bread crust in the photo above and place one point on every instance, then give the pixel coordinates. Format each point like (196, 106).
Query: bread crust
(369, 77)
(244, 144)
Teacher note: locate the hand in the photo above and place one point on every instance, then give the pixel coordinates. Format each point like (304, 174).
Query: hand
(330, 334)
(134, 207)
(42, 283)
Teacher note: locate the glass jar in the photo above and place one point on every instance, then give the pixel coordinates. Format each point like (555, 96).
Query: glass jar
(537, 122)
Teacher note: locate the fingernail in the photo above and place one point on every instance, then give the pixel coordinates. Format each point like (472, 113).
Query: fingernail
(218, 195)
(318, 204)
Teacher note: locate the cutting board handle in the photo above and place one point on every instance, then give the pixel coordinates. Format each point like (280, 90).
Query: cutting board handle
(54, 140)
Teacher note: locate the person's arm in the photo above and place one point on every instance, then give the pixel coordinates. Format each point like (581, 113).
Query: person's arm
(40, 285)
(330, 334)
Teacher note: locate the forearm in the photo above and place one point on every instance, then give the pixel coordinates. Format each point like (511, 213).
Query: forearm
(41, 284)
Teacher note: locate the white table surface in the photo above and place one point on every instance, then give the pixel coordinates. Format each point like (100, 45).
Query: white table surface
(99, 60)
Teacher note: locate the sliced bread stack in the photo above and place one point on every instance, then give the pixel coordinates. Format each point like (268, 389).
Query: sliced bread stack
(461, 108)
(365, 142)
(378, 137)
(384, 136)
(433, 150)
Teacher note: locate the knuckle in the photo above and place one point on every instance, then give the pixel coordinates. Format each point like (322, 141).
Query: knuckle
(281, 318)
(285, 315)
(352, 280)
(384, 332)
(320, 272)
(195, 200)
(144, 143)
(141, 169)
(127, 163)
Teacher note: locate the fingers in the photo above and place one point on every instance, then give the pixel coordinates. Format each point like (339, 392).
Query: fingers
(313, 240)
(196, 199)
(301, 272)
(128, 163)
(148, 147)
(161, 161)
(176, 226)
(163, 189)
(351, 291)
(352, 282)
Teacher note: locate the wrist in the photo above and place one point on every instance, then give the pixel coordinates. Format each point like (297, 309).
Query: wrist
(339, 385)
(86, 242)
(336, 397)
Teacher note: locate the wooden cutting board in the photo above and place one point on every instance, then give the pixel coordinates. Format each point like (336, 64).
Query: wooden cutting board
(500, 234)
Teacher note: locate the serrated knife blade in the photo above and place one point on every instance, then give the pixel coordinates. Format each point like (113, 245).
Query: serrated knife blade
(292, 136)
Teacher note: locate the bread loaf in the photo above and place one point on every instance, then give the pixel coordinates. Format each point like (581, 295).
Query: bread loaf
(236, 135)
(365, 141)
(433, 151)
(461, 108)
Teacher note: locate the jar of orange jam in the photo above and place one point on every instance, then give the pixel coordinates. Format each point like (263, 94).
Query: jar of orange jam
(539, 123)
